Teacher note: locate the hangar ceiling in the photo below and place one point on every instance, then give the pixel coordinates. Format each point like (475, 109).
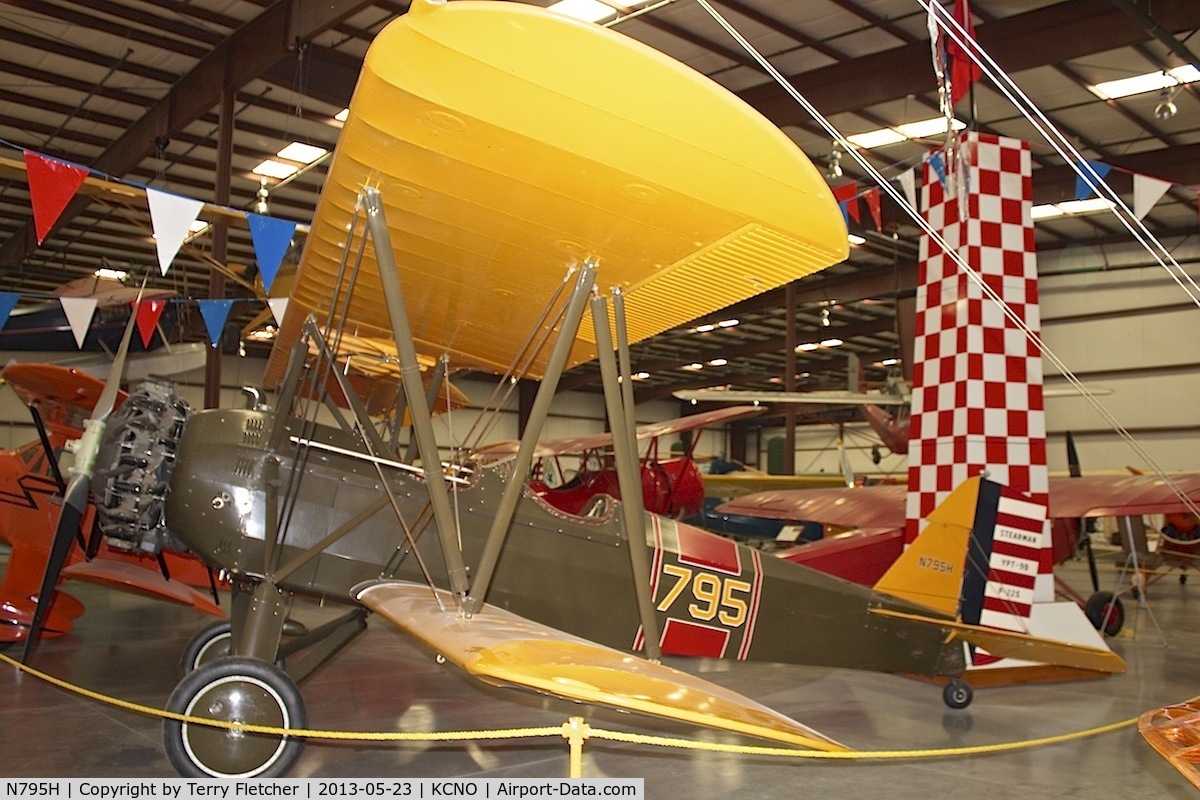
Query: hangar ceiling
(132, 89)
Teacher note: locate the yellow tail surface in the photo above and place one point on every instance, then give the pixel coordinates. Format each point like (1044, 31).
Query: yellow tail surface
(930, 571)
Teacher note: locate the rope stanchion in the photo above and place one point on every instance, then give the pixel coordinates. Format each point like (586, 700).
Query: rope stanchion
(576, 731)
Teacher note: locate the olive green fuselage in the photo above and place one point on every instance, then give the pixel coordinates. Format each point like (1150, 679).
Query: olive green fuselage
(713, 596)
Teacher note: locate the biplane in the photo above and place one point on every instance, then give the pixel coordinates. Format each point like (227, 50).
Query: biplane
(494, 160)
(59, 398)
(891, 426)
(672, 486)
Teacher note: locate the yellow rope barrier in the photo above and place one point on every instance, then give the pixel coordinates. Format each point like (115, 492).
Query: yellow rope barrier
(575, 730)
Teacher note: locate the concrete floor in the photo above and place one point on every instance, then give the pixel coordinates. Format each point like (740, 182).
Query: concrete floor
(128, 647)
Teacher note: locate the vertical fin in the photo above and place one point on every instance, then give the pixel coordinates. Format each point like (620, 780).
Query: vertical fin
(931, 571)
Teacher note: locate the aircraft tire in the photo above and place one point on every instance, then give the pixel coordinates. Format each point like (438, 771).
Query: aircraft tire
(1098, 607)
(232, 689)
(957, 693)
(210, 643)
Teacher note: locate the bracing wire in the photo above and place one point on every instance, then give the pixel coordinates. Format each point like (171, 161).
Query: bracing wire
(936, 237)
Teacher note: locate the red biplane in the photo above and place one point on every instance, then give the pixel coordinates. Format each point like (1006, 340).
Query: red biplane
(671, 487)
(31, 485)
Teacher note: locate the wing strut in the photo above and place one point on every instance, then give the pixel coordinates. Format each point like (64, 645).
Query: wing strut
(629, 475)
(533, 429)
(414, 395)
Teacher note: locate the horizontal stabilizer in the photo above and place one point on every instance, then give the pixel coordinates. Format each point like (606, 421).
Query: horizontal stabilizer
(504, 649)
(1010, 644)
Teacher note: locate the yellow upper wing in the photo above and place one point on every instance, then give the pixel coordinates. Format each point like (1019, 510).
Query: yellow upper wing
(508, 142)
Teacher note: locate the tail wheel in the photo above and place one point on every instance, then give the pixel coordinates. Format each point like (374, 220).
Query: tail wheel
(957, 693)
(1105, 612)
(234, 689)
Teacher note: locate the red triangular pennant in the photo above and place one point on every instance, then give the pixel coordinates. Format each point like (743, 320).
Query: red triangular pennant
(148, 312)
(847, 197)
(52, 184)
(963, 71)
(872, 198)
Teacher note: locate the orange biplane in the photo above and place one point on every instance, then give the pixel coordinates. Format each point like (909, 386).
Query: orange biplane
(31, 486)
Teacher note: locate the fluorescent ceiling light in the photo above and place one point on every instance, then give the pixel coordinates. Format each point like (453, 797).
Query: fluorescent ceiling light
(1086, 206)
(342, 115)
(901, 133)
(876, 138)
(111, 274)
(1071, 207)
(275, 169)
(831, 342)
(1140, 84)
(728, 323)
(856, 240)
(807, 346)
(304, 153)
(705, 328)
(718, 362)
(586, 10)
(929, 127)
(197, 225)
(641, 376)
(695, 366)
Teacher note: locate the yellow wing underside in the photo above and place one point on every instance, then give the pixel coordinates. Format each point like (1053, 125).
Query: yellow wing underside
(509, 142)
(504, 649)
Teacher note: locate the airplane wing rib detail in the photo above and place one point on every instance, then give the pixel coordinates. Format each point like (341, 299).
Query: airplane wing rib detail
(1010, 644)
(504, 649)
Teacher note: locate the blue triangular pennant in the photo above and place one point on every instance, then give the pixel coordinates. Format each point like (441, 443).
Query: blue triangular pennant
(1082, 190)
(271, 237)
(214, 313)
(845, 212)
(939, 166)
(8, 301)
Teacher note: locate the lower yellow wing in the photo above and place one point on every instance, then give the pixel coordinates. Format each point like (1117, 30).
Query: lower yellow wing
(504, 649)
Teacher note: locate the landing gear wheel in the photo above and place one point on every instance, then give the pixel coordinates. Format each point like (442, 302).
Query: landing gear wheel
(958, 693)
(234, 689)
(209, 644)
(1105, 612)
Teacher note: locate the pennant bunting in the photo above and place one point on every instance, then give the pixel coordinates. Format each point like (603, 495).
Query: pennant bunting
(963, 71)
(52, 184)
(872, 198)
(8, 301)
(908, 182)
(79, 312)
(272, 238)
(171, 216)
(939, 167)
(214, 313)
(1146, 192)
(1082, 190)
(148, 312)
(278, 308)
(847, 197)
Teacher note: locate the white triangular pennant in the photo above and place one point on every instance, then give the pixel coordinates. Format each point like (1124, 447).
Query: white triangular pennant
(171, 216)
(1146, 192)
(79, 311)
(908, 183)
(278, 308)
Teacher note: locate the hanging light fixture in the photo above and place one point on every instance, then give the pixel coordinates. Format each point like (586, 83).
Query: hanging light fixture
(260, 204)
(835, 163)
